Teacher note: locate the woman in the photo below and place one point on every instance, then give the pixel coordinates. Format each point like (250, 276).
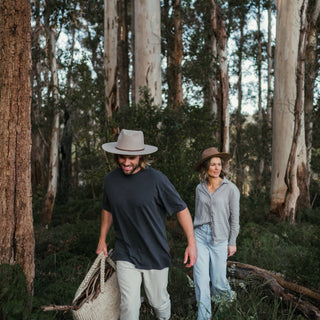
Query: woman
(216, 225)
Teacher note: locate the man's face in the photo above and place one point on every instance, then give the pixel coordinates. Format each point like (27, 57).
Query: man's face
(129, 164)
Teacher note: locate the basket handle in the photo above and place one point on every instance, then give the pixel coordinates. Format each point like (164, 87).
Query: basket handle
(102, 268)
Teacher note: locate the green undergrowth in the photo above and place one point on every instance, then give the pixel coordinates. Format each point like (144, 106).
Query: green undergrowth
(66, 250)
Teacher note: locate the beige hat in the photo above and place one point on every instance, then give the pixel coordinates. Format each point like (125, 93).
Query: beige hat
(130, 142)
(209, 153)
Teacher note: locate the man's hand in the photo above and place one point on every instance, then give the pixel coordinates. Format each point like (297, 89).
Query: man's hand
(190, 255)
(102, 246)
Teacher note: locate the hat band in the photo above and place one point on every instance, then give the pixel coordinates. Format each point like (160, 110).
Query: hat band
(129, 150)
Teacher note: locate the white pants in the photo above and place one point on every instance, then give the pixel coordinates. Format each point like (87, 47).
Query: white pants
(155, 285)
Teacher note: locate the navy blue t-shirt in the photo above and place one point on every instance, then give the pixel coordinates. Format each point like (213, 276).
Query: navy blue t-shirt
(139, 204)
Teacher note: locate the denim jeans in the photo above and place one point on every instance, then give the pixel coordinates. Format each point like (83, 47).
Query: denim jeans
(155, 283)
(211, 266)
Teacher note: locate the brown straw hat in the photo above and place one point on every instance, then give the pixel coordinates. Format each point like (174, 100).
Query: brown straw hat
(130, 142)
(209, 153)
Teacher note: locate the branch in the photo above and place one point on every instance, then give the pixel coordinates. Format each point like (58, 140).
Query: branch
(278, 285)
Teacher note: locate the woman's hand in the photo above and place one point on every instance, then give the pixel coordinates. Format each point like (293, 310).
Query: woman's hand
(231, 250)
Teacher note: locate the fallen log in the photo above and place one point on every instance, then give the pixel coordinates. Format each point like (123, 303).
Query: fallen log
(280, 286)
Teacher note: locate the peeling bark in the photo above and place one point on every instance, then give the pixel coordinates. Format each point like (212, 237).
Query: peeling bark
(289, 148)
(291, 177)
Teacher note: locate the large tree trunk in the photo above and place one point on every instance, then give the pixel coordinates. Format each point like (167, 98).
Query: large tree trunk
(219, 28)
(289, 180)
(177, 55)
(147, 64)
(110, 56)
(16, 223)
(54, 141)
(310, 76)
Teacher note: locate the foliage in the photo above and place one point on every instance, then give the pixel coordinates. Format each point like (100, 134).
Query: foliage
(15, 302)
(181, 136)
(65, 252)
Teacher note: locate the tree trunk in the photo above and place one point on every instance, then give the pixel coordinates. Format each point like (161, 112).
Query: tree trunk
(219, 28)
(168, 48)
(177, 55)
(123, 54)
(16, 222)
(110, 56)
(260, 110)
(65, 165)
(39, 145)
(310, 76)
(147, 65)
(54, 141)
(239, 155)
(269, 54)
(289, 180)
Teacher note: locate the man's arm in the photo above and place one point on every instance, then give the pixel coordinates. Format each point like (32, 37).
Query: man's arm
(106, 222)
(185, 220)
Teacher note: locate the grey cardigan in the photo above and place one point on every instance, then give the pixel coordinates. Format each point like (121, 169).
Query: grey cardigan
(220, 209)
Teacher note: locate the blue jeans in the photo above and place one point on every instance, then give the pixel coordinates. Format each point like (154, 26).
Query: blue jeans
(211, 266)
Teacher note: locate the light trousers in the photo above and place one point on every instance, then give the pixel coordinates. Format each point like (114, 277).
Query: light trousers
(211, 266)
(155, 285)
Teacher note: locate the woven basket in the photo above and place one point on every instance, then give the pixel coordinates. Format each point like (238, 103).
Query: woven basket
(101, 305)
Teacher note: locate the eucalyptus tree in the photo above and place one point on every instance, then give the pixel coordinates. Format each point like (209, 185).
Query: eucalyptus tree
(289, 180)
(312, 71)
(147, 48)
(16, 221)
(110, 56)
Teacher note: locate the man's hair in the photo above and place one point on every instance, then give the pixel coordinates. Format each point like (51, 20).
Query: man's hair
(203, 171)
(143, 161)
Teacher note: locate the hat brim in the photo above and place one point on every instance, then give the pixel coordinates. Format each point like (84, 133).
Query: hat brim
(223, 155)
(111, 147)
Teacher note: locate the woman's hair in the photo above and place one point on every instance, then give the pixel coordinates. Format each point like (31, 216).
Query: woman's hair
(143, 161)
(203, 171)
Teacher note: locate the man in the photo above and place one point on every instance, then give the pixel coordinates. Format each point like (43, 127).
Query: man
(136, 200)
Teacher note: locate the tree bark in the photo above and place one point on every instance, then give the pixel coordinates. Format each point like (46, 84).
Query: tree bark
(219, 28)
(294, 170)
(289, 180)
(269, 54)
(39, 145)
(177, 55)
(123, 54)
(110, 56)
(54, 141)
(147, 65)
(16, 222)
(310, 76)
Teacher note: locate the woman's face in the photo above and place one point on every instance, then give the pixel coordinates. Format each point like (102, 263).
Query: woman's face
(215, 167)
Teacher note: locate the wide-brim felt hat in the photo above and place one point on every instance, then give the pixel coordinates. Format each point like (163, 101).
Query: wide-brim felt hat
(209, 153)
(130, 142)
